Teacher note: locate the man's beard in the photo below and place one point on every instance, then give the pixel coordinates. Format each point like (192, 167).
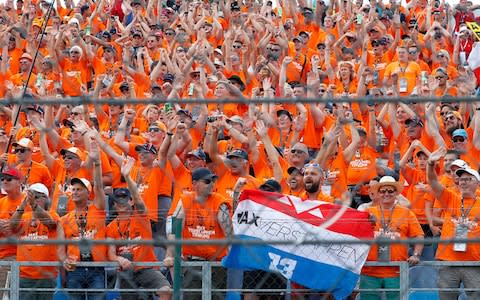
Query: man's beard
(313, 187)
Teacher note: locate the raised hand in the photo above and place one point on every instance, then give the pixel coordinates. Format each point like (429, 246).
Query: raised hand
(127, 166)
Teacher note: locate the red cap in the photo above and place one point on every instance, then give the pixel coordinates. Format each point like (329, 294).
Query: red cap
(12, 172)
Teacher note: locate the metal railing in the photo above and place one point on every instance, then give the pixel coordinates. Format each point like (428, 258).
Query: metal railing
(206, 271)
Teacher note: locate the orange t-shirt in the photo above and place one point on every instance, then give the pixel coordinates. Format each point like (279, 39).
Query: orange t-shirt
(452, 202)
(136, 227)
(407, 73)
(201, 224)
(183, 183)
(152, 183)
(62, 186)
(362, 167)
(402, 223)
(37, 252)
(414, 195)
(226, 183)
(7, 209)
(95, 229)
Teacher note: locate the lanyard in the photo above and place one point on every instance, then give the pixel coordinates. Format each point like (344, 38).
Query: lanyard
(402, 70)
(81, 221)
(462, 208)
(386, 225)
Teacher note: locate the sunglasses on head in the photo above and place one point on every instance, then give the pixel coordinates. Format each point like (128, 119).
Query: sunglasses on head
(296, 151)
(20, 150)
(388, 191)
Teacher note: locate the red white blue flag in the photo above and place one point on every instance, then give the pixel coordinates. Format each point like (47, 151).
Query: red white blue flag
(332, 267)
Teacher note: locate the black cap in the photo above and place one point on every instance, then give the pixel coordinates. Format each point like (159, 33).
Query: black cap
(307, 10)
(185, 112)
(198, 153)
(294, 169)
(146, 148)
(284, 112)
(137, 33)
(121, 196)
(271, 185)
(238, 153)
(36, 108)
(168, 78)
(238, 80)
(415, 120)
(124, 86)
(234, 6)
(203, 173)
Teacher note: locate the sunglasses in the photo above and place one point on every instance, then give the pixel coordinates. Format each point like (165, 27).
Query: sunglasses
(321, 47)
(8, 179)
(296, 151)
(412, 52)
(321, 90)
(74, 52)
(448, 118)
(237, 47)
(207, 181)
(153, 129)
(275, 50)
(458, 139)
(390, 192)
(170, 33)
(439, 77)
(65, 157)
(74, 113)
(20, 150)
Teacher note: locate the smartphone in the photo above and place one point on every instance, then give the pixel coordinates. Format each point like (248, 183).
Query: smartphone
(167, 107)
(359, 19)
(191, 88)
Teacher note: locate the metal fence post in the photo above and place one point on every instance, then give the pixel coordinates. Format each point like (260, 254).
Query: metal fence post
(404, 281)
(177, 264)
(14, 280)
(206, 281)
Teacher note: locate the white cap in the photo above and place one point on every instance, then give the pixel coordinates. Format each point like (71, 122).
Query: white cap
(39, 188)
(83, 182)
(74, 21)
(459, 163)
(470, 171)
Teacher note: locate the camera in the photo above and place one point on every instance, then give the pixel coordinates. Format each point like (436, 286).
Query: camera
(211, 119)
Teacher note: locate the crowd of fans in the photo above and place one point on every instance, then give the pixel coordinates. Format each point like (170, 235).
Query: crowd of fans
(122, 171)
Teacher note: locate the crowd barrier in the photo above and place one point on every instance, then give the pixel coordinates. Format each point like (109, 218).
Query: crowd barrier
(416, 282)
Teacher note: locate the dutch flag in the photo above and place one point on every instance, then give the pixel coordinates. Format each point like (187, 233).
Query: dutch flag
(331, 267)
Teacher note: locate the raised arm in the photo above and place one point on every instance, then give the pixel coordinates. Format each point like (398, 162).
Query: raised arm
(132, 185)
(94, 155)
(432, 177)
